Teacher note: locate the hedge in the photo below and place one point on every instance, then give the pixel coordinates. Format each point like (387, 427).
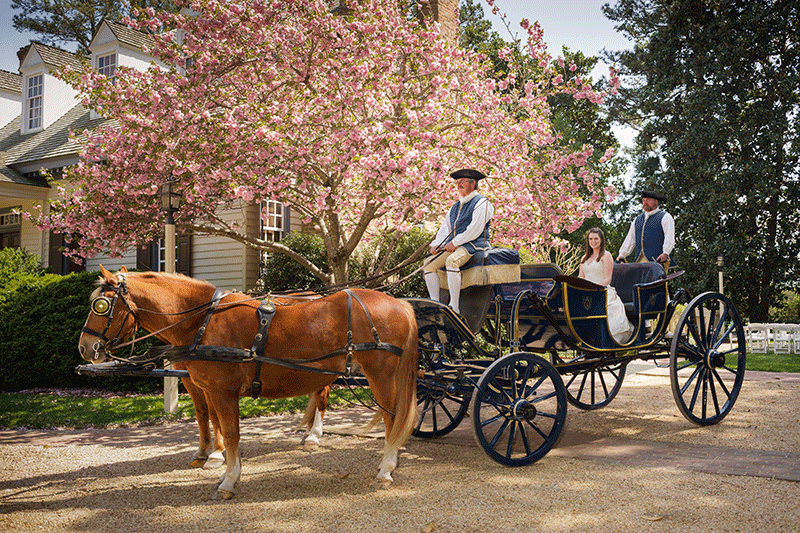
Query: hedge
(41, 316)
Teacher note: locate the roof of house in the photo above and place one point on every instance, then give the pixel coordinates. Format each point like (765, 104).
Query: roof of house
(50, 142)
(9, 136)
(52, 56)
(129, 36)
(10, 81)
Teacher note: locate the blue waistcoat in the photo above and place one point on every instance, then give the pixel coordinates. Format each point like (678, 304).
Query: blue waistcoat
(653, 236)
(460, 219)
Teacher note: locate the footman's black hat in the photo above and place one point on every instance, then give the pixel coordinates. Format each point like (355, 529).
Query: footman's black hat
(656, 195)
(468, 173)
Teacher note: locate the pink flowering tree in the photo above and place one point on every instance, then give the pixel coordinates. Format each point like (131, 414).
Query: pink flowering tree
(355, 121)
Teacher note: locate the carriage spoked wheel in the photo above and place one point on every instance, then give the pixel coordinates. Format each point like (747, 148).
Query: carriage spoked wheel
(595, 385)
(519, 409)
(440, 410)
(707, 359)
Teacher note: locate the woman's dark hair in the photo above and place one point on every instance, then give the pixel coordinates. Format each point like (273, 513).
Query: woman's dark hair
(589, 248)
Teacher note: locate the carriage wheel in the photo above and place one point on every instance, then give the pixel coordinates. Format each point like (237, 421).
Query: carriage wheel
(707, 359)
(519, 409)
(440, 411)
(595, 387)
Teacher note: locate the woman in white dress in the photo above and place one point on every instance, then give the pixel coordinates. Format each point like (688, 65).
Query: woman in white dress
(597, 266)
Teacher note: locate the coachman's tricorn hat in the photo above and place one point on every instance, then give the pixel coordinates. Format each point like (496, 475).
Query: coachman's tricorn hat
(468, 173)
(656, 195)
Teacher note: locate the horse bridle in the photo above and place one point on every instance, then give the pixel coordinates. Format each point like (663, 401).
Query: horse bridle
(102, 305)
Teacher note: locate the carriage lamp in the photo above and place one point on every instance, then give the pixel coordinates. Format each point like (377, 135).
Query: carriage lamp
(720, 264)
(170, 202)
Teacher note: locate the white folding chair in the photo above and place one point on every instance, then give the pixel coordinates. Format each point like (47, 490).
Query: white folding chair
(782, 338)
(757, 338)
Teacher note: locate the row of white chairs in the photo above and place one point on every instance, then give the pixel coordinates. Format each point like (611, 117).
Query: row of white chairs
(776, 338)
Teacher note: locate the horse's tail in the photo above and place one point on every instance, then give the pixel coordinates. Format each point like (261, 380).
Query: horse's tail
(406, 382)
(317, 401)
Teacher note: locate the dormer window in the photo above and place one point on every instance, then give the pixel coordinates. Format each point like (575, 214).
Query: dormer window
(35, 91)
(107, 64)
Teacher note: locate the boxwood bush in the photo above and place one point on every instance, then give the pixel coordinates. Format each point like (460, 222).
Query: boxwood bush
(41, 316)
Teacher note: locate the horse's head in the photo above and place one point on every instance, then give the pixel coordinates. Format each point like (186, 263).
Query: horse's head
(112, 317)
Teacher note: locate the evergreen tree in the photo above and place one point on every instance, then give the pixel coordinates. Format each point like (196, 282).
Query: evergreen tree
(712, 88)
(63, 22)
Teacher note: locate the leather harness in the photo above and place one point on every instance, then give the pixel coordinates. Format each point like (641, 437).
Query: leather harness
(266, 312)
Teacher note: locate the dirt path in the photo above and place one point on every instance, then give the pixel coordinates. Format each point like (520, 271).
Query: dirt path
(622, 468)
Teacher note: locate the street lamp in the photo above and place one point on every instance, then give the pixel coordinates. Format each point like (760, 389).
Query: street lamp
(720, 264)
(170, 202)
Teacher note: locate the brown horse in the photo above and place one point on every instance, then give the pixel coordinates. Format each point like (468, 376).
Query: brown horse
(308, 332)
(209, 454)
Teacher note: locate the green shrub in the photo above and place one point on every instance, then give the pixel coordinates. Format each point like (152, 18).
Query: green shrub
(40, 323)
(414, 286)
(17, 266)
(282, 273)
(787, 309)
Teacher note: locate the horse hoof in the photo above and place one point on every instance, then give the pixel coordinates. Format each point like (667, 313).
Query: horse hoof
(383, 484)
(198, 463)
(310, 446)
(213, 462)
(223, 495)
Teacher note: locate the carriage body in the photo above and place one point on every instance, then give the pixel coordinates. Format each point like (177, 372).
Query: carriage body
(525, 349)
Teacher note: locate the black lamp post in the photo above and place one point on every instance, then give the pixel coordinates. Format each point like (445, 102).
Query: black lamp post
(170, 202)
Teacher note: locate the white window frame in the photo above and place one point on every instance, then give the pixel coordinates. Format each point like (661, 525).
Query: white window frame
(107, 64)
(272, 225)
(34, 102)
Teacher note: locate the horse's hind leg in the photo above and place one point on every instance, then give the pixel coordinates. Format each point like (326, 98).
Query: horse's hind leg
(215, 458)
(226, 406)
(312, 421)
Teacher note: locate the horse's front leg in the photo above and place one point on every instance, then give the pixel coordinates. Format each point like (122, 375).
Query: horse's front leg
(206, 456)
(226, 406)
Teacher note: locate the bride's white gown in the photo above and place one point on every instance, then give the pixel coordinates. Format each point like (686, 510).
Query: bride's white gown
(618, 324)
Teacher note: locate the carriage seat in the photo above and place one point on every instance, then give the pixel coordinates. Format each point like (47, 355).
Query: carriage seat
(487, 267)
(627, 275)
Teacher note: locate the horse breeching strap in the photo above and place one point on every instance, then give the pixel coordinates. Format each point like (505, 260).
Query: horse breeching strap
(266, 312)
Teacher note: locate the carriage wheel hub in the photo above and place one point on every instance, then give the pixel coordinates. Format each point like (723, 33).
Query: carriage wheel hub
(523, 410)
(715, 359)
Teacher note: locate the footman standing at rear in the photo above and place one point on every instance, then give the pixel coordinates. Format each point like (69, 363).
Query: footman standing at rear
(652, 234)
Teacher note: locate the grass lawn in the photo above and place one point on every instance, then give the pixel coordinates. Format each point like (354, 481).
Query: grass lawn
(773, 362)
(60, 409)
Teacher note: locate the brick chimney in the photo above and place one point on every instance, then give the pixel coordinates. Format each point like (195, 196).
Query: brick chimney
(444, 12)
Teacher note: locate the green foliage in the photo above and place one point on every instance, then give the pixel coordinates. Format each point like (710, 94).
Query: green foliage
(712, 88)
(16, 266)
(787, 309)
(284, 274)
(41, 316)
(389, 252)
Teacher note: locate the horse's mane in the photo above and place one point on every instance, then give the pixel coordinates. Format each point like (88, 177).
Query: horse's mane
(150, 276)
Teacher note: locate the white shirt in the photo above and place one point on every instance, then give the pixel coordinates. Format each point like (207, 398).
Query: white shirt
(667, 224)
(482, 214)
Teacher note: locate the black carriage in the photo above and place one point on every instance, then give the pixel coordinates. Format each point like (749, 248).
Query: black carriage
(523, 350)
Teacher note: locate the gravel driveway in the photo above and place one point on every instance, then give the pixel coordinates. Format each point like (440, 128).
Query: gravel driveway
(139, 480)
